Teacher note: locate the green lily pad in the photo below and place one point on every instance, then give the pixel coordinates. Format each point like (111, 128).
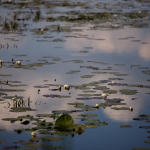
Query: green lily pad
(21, 109)
(100, 88)
(121, 108)
(89, 119)
(99, 72)
(89, 91)
(48, 115)
(35, 139)
(110, 91)
(140, 148)
(148, 142)
(40, 86)
(22, 55)
(7, 75)
(2, 130)
(88, 115)
(37, 145)
(12, 90)
(24, 130)
(62, 133)
(120, 74)
(128, 92)
(64, 121)
(87, 76)
(97, 123)
(125, 126)
(73, 72)
(76, 103)
(86, 95)
(145, 116)
(10, 119)
(10, 97)
(3, 94)
(18, 85)
(3, 141)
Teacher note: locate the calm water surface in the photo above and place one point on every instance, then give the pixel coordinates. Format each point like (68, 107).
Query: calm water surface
(93, 43)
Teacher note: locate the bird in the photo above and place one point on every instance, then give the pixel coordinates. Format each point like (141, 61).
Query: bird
(18, 62)
(25, 122)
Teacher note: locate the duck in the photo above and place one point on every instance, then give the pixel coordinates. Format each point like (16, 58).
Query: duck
(18, 62)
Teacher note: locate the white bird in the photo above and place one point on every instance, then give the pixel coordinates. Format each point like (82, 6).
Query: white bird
(18, 62)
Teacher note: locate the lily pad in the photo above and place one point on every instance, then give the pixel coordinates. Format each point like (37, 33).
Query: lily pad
(76, 103)
(121, 108)
(35, 139)
(7, 75)
(2, 130)
(128, 92)
(89, 119)
(125, 126)
(40, 86)
(87, 76)
(37, 145)
(88, 115)
(110, 91)
(12, 90)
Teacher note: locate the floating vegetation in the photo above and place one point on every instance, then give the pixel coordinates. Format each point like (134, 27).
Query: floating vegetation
(2, 130)
(18, 85)
(55, 95)
(40, 86)
(21, 109)
(110, 91)
(120, 74)
(24, 130)
(73, 72)
(37, 139)
(128, 92)
(121, 108)
(12, 90)
(7, 75)
(76, 103)
(87, 76)
(125, 126)
(88, 115)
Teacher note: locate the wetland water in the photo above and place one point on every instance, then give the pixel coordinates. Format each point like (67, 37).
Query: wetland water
(94, 47)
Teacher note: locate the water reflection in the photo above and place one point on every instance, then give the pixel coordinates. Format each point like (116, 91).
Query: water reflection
(118, 41)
